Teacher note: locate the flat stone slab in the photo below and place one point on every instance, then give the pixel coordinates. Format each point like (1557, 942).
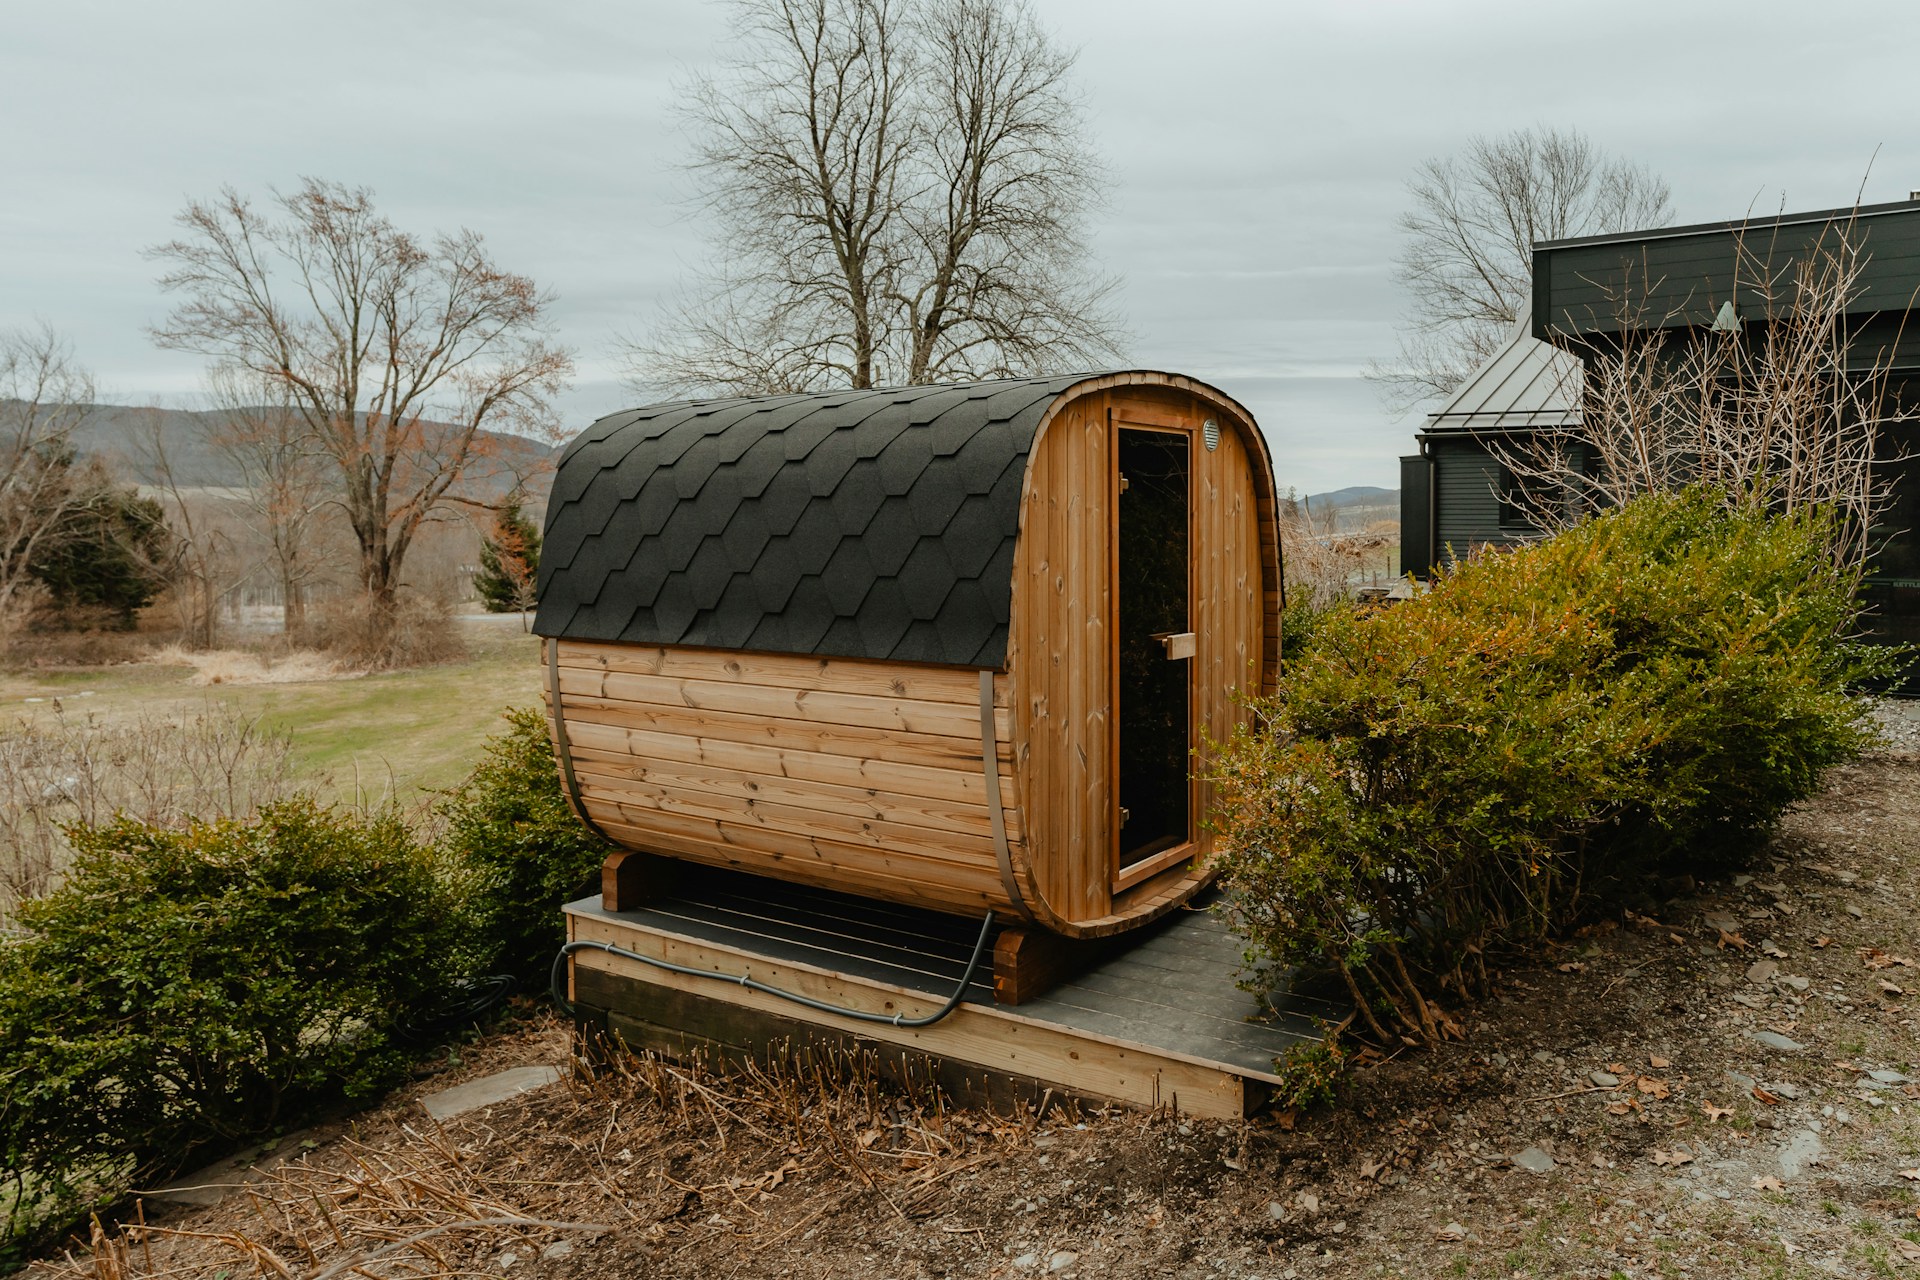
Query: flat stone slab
(488, 1090)
(222, 1178)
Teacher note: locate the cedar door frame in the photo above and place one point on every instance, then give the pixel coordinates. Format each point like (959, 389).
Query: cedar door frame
(1140, 416)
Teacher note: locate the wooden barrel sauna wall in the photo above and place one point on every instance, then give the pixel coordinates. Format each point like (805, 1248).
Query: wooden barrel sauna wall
(937, 645)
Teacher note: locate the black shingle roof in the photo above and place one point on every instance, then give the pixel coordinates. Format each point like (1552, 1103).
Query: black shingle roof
(863, 524)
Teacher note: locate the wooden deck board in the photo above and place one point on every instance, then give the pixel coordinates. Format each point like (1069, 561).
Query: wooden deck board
(1167, 996)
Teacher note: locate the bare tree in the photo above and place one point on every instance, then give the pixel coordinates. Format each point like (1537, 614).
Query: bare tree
(255, 425)
(198, 557)
(399, 355)
(901, 190)
(1777, 405)
(45, 397)
(1467, 260)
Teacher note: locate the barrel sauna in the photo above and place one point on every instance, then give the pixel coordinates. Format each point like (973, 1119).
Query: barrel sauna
(958, 647)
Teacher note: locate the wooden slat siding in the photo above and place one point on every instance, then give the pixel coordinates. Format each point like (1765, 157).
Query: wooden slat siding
(928, 819)
(909, 748)
(781, 671)
(849, 775)
(803, 793)
(820, 863)
(1058, 653)
(895, 715)
(951, 786)
(750, 812)
(1099, 1064)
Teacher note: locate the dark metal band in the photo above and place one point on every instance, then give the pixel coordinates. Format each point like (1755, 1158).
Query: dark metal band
(561, 746)
(990, 763)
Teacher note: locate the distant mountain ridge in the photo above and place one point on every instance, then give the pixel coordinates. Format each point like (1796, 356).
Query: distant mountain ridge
(1355, 495)
(123, 435)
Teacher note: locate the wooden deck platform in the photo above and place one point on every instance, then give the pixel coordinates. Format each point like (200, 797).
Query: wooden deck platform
(1160, 1021)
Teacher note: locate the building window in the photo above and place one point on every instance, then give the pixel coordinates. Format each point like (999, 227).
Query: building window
(1518, 498)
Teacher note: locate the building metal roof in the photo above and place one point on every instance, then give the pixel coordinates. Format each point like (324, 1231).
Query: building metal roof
(865, 524)
(1816, 217)
(1526, 384)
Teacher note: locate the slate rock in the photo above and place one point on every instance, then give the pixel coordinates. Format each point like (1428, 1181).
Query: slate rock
(1801, 1151)
(1761, 972)
(1534, 1160)
(1605, 1079)
(1774, 1040)
(488, 1090)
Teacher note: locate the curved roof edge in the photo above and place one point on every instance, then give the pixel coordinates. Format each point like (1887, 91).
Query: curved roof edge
(867, 524)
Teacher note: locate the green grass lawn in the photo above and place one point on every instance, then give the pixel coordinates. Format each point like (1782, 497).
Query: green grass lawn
(394, 734)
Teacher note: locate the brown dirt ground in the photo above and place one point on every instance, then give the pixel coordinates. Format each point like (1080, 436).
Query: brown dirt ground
(1715, 1155)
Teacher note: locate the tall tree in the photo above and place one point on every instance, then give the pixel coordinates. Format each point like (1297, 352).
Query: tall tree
(900, 190)
(1466, 260)
(45, 397)
(398, 354)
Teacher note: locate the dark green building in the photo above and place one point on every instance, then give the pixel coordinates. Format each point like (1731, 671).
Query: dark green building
(1590, 294)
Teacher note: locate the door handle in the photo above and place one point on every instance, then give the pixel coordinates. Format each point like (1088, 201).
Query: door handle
(1178, 644)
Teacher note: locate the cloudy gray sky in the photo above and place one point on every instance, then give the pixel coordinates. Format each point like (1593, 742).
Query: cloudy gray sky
(1257, 151)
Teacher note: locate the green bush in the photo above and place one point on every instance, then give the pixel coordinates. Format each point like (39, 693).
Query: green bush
(1542, 736)
(185, 986)
(522, 850)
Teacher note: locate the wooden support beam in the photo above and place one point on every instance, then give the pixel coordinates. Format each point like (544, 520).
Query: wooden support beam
(1028, 963)
(630, 880)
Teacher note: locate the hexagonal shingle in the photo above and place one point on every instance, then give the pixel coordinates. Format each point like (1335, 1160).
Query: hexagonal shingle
(875, 524)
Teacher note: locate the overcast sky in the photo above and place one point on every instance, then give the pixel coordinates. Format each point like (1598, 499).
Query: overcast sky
(1258, 152)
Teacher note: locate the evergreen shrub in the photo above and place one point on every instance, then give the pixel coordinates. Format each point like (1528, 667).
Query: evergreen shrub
(194, 985)
(520, 849)
(1542, 737)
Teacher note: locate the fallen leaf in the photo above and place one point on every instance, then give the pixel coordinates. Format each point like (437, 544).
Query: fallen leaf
(1657, 1062)
(1890, 989)
(1571, 966)
(1651, 1087)
(1912, 1175)
(1286, 1119)
(1370, 1168)
(1715, 1114)
(1672, 1159)
(1908, 1249)
(1767, 1096)
(1822, 942)
(1617, 1069)
(1768, 1183)
(1626, 1104)
(1878, 959)
(1452, 1231)
(1733, 940)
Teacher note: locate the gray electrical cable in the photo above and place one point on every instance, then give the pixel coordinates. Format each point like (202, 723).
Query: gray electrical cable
(862, 1015)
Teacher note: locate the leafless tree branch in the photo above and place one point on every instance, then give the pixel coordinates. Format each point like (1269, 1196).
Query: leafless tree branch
(1467, 260)
(900, 189)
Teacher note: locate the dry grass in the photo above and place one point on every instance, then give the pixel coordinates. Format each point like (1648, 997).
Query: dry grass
(668, 1153)
(416, 632)
(237, 666)
(158, 767)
